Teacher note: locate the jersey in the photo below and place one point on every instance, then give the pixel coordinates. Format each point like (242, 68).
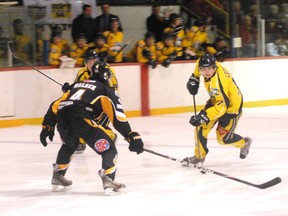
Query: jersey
(23, 46)
(178, 39)
(88, 100)
(142, 53)
(115, 43)
(77, 53)
(194, 39)
(225, 96)
(163, 52)
(58, 50)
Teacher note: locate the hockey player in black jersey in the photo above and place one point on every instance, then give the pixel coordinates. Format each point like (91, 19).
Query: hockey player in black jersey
(74, 114)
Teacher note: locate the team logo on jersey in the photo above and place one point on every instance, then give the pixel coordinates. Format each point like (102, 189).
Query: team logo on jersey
(102, 145)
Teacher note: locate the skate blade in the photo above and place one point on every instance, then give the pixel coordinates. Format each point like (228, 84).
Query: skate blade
(112, 192)
(60, 188)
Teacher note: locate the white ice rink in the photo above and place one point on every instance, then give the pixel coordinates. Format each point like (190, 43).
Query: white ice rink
(156, 186)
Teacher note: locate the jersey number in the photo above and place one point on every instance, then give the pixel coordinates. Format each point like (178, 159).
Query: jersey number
(78, 94)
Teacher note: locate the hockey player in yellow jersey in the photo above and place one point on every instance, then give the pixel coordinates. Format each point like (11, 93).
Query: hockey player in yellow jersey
(165, 50)
(144, 51)
(100, 46)
(85, 73)
(114, 39)
(176, 29)
(223, 107)
(196, 36)
(78, 49)
(58, 47)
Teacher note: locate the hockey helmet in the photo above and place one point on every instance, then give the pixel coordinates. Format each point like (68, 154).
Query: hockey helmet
(100, 36)
(207, 60)
(149, 35)
(101, 71)
(91, 54)
(167, 36)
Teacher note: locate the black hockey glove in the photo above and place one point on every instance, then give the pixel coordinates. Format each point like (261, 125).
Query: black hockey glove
(153, 64)
(66, 87)
(47, 131)
(166, 62)
(135, 142)
(200, 119)
(193, 85)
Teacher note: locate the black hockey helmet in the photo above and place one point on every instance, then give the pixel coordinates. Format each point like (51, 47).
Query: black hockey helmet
(100, 36)
(167, 35)
(101, 71)
(207, 60)
(91, 54)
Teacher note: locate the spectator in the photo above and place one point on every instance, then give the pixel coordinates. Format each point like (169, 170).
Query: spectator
(39, 44)
(275, 47)
(100, 47)
(271, 28)
(248, 33)
(78, 49)
(144, 51)
(84, 24)
(58, 47)
(284, 17)
(201, 8)
(165, 50)
(103, 22)
(21, 41)
(254, 13)
(114, 38)
(237, 17)
(3, 48)
(156, 23)
(176, 29)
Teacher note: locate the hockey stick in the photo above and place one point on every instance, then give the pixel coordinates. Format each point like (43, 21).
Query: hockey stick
(13, 51)
(204, 170)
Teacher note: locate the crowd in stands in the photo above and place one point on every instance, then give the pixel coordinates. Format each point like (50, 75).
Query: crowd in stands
(167, 39)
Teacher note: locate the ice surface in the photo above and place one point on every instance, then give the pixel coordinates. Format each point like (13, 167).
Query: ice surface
(156, 186)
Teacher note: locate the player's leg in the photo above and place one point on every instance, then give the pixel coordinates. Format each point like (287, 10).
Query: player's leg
(226, 134)
(201, 149)
(99, 140)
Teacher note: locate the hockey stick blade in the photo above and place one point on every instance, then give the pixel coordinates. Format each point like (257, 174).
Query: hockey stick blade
(13, 51)
(265, 185)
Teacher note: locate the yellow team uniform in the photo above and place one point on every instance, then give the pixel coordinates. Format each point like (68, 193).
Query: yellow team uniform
(178, 41)
(136, 54)
(23, 46)
(77, 53)
(224, 107)
(114, 42)
(163, 52)
(58, 50)
(193, 40)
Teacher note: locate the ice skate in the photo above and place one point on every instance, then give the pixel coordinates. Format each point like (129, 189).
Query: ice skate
(245, 150)
(196, 162)
(111, 187)
(59, 182)
(80, 148)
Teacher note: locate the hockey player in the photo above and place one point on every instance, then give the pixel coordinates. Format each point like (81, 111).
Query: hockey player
(100, 46)
(165, 50)
(74, 114)
(85, 73)
(144, 51)
(224, 107)
(78, 49)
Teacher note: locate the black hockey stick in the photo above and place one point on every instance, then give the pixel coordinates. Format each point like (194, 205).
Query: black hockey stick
(13, 51)
(204, 170)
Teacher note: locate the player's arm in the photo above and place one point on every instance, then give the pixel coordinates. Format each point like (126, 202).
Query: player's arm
(49, 121)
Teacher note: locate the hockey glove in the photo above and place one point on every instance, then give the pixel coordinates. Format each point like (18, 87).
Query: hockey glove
(200, 119)
(47, 131)
(166, 62)
(153, 64)
(66, 87)
(193, 85)
(135, 142)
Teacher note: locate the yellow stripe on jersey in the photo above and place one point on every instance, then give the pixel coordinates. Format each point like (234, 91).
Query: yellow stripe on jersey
(57, 102)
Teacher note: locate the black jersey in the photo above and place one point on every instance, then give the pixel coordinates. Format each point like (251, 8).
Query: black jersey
(89, 99)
